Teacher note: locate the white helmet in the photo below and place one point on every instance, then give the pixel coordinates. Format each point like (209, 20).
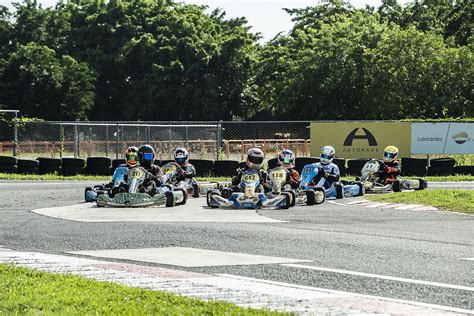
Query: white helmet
(327, 154)
(255, 158)
(181, 156)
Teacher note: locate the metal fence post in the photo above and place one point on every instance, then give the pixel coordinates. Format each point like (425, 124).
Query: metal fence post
(117, 142)
(218, 140)
(76, 141)
(15, 135)
(107, 140)
(61, 140)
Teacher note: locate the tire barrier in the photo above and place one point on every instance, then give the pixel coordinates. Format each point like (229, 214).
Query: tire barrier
(163, 162)
(414, 166)
(354, 166)
(225, 168)
(440, 171)
(73, 166)
(442, 162)
(49, 165)
(118, 162)
(8, 164)
(242, 164)
(100, 166)
(272, 163)
(203, 167)
(341, 163)
(28, 166)
(465, 170)
(300, 162)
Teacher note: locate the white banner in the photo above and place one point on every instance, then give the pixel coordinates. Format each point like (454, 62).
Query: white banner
(442, 138)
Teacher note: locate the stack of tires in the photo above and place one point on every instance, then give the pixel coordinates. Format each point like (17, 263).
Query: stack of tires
(354, 166)
(73, 166)
(8, 164)
(28, 166)
(49, 165)
(300, 162)
(100, 166)
(341, 163)
(203, 167)
(118, 162)
(225, 168)
(441, 167)
(464, 170)
(414, 166)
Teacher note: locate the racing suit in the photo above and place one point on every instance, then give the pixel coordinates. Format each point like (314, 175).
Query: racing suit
(187, 172)
(389, 172)
(328, 175)
(293, 178)
(150, 185)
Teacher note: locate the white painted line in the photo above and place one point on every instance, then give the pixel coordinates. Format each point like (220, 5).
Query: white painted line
(377, 204)
(193, 211)
(409, 206)
(337, 203)
(186, 257)
(470, 259)
(296, 286)
(383, 277)
(361, 201)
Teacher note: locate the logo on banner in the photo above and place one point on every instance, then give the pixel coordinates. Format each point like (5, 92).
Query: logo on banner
(461, 137)
(367, 135)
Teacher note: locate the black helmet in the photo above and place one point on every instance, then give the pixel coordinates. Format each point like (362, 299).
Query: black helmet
(146, 155)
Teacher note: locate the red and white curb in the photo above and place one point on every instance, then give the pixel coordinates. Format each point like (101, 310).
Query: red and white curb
(242, 291)
(396, 206)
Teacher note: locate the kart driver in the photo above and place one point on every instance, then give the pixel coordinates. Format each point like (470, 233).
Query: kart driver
(390, 167)
(328, 173)
(181, 157)
(146, 158)
(286, 159)
(254, 162)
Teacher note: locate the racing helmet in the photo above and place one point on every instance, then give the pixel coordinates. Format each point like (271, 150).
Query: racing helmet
(390, 153)
(255, 158)
(146, 155)
(286, 158)
(181, 156)
(327, 155)
(131, 156)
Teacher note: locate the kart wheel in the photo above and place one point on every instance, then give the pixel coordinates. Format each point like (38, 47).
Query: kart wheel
(288, 198)
(208, 198)
(185, 197)
(169, 199)
(423, 184)
(320, 195)
(292, 196)
(361, 188)
(310, 197)
(397, 186)
(339, 191)
(196, 192)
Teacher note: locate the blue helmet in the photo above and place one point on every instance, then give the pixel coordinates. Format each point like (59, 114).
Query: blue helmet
(146, 155)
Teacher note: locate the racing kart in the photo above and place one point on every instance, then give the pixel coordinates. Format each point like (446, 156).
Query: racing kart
(308, 192)
(91, 193)
(370, 179)
(133, 197)
(277, 177)
(191, 186)
(251, 196)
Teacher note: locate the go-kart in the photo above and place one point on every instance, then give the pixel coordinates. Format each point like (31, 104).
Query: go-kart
(370, 179)
(190, 185)
(251, 195)
(308, 192)
(91, 193)
(277, 177)
(133, 197)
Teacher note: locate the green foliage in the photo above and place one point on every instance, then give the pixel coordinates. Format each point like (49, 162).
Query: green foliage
(448, 200)
(31, 292)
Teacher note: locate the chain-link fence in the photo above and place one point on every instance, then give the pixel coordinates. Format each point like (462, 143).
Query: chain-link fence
(204, 140)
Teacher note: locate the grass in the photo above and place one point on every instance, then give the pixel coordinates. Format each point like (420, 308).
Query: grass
(447, 200)
(30, 292)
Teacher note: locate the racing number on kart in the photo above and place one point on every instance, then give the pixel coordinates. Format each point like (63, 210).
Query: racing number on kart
(168, 169)
(136, 173)
(278, 175)
(250, 177)
(308, 170)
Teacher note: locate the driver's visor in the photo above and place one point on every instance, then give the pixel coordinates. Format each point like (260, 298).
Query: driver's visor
(324, 156)
(180, 159)
(148, 156)
(389, 155)
(286, 160)
(257, 160)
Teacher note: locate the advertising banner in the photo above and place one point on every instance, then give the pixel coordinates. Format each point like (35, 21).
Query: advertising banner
(360, 139)
(442, 138)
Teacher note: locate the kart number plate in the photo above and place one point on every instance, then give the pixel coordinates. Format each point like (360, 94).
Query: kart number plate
(278, 175)
(250, 177)
(136, 173)
(169, 169)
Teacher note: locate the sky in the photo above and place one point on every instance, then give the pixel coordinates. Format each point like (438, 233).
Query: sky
(264, 16)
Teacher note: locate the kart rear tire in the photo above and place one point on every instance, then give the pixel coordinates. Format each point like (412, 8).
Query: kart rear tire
(397, 186)
(361, 188)
(310, 197)
(320, 189)
(185, 197)
(196, 192)
(208, 198)
(339, 191)
(287, 196)
(169, 199)
(423, 184)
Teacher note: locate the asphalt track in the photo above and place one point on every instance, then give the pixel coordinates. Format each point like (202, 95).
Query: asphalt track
(351, 248)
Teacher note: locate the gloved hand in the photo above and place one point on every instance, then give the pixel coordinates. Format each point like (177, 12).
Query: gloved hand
(386, 168)
(322, 172)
